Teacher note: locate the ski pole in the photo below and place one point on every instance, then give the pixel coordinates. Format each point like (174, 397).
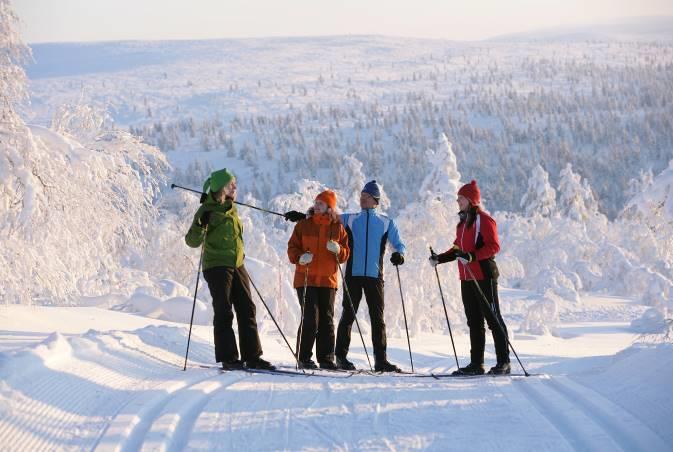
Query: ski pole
(491, 309)
(235, 202)
(441, 293)
(196, 289)
(301, 321)
(399, 281)
(350, 301)
(274, 320)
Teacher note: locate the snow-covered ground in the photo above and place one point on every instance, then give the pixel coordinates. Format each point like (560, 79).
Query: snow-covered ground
(93, 378)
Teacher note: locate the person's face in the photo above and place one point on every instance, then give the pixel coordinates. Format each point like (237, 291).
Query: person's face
(367, 201)
(230, 189)
(463, 203)
(319, 206)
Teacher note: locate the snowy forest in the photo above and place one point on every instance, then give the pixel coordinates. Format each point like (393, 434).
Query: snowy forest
(570, 140)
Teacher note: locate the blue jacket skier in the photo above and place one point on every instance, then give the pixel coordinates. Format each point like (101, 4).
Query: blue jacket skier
(368, 234)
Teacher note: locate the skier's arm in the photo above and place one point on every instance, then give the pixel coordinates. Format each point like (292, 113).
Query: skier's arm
(196, 232)
(394, 237)
(294, 248)
(345, 251)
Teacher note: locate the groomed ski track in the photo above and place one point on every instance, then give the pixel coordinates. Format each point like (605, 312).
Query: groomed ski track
(124, 391)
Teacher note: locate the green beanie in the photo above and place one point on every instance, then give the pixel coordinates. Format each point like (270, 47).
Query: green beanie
(217, 180)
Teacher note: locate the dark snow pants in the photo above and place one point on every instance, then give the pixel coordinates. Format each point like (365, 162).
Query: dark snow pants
(373, 290)
(230, 287)
(318, 324)
(476, 311)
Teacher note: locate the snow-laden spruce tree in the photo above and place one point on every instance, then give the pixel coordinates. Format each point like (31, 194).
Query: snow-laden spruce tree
(350, 179)
(430, 221)
(540, 197)
(647, 222)
(576, 200)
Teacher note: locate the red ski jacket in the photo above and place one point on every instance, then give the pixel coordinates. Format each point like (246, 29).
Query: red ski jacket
(482, 240)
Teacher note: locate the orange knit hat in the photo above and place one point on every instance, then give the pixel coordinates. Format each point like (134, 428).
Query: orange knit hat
(329, 198)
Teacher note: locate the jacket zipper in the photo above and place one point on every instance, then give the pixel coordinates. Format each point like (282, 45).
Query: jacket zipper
(366, 241)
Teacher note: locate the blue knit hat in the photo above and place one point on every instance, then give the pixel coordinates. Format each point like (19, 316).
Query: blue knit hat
(373, 189)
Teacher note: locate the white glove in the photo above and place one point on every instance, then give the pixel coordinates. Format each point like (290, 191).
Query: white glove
(333, 247)
(305, 258)
(433, 260)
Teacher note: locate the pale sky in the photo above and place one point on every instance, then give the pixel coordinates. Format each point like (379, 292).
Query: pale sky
(105, 20)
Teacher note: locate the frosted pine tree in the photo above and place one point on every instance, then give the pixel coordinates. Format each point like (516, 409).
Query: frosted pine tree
(443, 181)
(573, 195)
(540, 198)
(431, 221)
(350, 179)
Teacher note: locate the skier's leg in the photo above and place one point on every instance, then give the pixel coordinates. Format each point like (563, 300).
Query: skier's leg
(343, 339)
(475, 321)
(310, 323)
(373, 288)
(246, 315)
(220, 281)
(325, 339)
(495, 320)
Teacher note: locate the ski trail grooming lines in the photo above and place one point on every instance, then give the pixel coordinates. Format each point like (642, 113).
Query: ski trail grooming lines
(404, 312)
(441, 293)
(274, 322)
(490, 308)
(350, 301)
(196, 289)
(173, 186)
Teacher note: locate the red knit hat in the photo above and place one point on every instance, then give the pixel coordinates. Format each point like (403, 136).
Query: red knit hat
(471, 192)
(329, 198)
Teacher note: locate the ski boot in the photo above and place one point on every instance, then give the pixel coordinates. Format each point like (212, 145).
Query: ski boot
(343, 363)
(501, 369)
(328, 365)
(386, 366)
(259, 363)
(470, 369)
(307, 364)
(233, 364)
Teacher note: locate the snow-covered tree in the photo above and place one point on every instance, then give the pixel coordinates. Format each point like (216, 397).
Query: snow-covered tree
(540, 198)
(443, 181)
(575, 198)
(13, 55)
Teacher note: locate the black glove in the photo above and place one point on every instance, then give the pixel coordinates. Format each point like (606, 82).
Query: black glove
(449, 256)
(205, 218)
(470, 257)
(204, 196)
(397, 258)
(294, 216)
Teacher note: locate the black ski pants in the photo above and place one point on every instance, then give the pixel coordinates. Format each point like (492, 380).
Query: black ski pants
(230, 288)
(317, 325)
(373, 291)
(476, 311)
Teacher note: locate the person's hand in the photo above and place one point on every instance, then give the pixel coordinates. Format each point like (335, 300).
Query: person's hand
(305, 258)
(434, 260)
(333, 247)
(464, 257)
(205, 218)
(294, 216)
(397, 258)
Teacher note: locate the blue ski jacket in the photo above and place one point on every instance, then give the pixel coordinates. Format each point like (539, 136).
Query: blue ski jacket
(368, 232)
